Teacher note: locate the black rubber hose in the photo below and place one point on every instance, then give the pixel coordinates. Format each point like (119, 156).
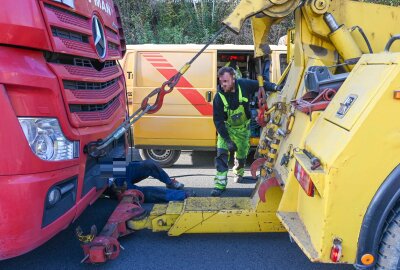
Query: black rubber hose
(364, 36)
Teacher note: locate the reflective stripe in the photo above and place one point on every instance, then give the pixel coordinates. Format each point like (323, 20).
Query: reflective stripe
(220, 177)
(225, 102)
(221, 182)
(241, 98)
(238, 171)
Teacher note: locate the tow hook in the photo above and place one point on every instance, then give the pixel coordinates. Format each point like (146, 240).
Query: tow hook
(105, 246)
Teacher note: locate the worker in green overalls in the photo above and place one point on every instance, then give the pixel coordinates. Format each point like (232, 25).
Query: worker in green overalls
(231, 118)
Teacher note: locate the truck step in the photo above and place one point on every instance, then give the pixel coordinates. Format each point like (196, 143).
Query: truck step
(294, 225)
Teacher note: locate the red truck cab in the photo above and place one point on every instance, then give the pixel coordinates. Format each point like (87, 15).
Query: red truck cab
(60, 88)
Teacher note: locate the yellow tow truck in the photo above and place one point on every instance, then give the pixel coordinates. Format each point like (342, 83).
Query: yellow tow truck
(328, 157)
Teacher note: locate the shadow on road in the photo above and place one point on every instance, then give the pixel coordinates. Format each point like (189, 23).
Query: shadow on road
(205, 159)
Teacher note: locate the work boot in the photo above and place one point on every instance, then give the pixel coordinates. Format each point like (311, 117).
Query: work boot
(217, 192)
(237, 178)
(175, 184)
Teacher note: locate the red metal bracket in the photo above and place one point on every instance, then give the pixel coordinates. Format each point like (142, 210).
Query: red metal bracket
(256, 165)
(309, 102)
(265, 185)
(105, 246)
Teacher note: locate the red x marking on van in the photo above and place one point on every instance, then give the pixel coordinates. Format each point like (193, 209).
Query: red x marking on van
(184, 86)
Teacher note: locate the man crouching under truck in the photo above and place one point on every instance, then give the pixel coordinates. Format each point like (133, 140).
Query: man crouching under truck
(127, 174)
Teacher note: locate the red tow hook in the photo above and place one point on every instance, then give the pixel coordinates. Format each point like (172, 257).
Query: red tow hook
(256, 165)
(160, 92)
(265, 185)
(262, 107)
(105, 246)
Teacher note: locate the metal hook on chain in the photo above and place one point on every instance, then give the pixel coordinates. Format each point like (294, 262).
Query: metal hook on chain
(96, 148)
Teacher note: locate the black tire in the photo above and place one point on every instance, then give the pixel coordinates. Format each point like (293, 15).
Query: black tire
(166, 158)
(389, 248)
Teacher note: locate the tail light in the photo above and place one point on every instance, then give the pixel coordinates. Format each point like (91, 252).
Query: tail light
(336, 250)
(304, 179)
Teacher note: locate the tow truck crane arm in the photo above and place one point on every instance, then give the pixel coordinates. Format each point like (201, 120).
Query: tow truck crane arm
(263, 14)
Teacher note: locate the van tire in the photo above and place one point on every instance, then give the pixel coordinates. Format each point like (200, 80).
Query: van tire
(164, 157)
(389, 248)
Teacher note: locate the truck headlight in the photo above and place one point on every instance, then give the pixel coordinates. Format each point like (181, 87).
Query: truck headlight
(47, 140)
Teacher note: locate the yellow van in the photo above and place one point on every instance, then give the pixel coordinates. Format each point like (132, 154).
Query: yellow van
(185, 120)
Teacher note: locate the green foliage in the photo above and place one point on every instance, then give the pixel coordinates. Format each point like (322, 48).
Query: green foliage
(173, 21)
(191, 21)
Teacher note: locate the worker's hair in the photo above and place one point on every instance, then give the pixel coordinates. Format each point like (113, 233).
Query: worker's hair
(224, 70)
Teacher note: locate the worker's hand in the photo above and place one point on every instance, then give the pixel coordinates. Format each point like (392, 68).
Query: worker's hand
(231, 146)
(278, 87)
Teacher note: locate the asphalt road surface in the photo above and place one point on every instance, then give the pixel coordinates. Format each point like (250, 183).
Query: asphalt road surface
(148, 250)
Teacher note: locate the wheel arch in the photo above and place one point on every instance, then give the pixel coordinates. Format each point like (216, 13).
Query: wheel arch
(378, 211)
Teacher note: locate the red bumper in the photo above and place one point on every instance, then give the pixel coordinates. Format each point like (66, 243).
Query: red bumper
(23, 210)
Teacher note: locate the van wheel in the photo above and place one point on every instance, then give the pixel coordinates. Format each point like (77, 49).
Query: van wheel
(389, 249)
(164, 157)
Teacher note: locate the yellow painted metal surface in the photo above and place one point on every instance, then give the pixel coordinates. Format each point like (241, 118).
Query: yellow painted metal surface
(244, 10)
(261, 27)
(357, 142)
(235, 215)
(365, 83)
(355, 158)
(345, 45)
(215, 215)
(363, 157)
(175, 131)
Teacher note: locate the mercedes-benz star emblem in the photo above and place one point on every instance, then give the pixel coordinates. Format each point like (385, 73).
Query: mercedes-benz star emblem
(99, 38)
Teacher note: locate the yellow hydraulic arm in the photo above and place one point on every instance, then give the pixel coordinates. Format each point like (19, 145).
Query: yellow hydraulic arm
(263, 14)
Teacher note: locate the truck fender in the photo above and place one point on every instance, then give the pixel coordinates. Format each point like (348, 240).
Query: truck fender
(374, 220)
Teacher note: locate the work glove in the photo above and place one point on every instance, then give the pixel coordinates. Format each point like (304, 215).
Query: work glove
(231, 146)
(278, 87)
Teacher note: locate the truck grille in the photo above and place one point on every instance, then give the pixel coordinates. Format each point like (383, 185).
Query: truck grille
(89, 112)
(111, 34)
(68, 17)
(73, 85)
(74, 32)
(69, 35)
(93, 88)
(92, 107)
(83, 71)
